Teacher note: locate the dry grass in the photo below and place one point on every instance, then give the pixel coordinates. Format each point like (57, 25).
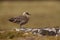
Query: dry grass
(13, 35)
(43, 13)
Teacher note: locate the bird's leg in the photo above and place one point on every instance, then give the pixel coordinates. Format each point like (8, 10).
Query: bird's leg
(21, 26)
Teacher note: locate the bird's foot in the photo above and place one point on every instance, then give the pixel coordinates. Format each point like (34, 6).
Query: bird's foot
(22, 27)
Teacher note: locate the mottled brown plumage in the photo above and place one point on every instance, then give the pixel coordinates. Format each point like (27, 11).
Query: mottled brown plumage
(20, 19)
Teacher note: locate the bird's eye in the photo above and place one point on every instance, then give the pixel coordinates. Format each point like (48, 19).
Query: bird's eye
(27, 13)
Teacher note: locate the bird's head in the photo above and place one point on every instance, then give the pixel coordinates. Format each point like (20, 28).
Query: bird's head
(26, 14)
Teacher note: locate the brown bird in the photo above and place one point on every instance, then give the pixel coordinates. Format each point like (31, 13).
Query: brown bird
(21, 20)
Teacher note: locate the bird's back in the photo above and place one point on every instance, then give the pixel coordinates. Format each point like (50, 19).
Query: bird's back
(21, 20)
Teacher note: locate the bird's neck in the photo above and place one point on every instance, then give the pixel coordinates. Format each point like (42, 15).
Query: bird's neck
(27, 16)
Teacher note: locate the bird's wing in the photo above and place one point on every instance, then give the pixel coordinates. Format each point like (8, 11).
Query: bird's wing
(21, 19)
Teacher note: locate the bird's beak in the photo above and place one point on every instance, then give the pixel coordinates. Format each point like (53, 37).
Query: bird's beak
(29, 14)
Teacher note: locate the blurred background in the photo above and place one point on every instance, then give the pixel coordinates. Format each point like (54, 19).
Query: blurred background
(43, 13)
